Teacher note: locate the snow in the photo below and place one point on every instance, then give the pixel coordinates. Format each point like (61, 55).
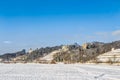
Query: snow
(113, 55)
(59, 72)
(49, 57)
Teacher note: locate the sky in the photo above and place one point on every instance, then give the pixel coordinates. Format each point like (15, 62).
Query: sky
(33, 24)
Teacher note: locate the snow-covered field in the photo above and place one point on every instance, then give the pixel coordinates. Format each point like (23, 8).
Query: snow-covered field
(58, 72)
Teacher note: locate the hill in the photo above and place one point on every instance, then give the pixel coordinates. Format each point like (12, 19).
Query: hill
(64, 53)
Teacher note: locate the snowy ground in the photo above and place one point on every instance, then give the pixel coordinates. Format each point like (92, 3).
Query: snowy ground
(58, 72)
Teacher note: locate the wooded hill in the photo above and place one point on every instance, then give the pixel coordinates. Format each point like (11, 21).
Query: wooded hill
(66, 53)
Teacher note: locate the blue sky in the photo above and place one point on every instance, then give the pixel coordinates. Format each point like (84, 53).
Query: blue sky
(36, 23)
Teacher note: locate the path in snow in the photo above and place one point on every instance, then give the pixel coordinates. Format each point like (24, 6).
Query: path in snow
(58, 72)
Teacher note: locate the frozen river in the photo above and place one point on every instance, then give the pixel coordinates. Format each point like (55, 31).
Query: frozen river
(58, 72)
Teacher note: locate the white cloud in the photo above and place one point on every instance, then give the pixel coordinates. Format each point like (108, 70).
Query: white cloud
(116, 33)
(7, 42)
(108, 35)
(102, 33)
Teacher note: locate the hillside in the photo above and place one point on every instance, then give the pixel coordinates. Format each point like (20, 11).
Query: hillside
(9, 56)
(112, 56)
(65, 53)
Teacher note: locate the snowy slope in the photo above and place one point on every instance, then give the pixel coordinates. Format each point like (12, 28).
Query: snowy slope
(113, 55)
(49, 57)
